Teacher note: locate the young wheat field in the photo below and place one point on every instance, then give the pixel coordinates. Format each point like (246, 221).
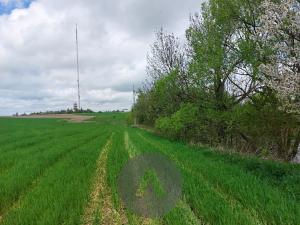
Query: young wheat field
(54, 171)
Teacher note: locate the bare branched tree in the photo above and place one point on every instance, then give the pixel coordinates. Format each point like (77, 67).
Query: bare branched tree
(167, 54)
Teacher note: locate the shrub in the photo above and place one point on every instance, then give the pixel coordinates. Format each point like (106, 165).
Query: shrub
(181, 124)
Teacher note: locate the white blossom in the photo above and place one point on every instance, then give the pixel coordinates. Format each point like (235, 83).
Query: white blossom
(280, 28)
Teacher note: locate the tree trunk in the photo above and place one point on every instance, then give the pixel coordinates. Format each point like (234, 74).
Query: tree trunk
(220, 105)
(295, 149)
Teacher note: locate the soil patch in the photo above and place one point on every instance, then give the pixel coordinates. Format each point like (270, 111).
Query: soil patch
(70, 117)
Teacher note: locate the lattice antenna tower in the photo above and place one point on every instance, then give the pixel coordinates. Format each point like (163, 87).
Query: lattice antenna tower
(77, 66)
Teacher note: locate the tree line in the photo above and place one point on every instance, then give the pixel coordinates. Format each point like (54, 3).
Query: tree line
(234, 83)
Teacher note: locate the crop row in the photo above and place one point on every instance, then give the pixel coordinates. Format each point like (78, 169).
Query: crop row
(50, 182)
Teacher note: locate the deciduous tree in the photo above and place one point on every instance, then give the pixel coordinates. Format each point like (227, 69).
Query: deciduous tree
(280, 29)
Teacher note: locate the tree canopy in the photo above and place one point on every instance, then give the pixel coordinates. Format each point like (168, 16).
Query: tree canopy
(236, 81)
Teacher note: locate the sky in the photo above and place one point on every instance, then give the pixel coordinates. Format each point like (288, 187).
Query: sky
(38, 54)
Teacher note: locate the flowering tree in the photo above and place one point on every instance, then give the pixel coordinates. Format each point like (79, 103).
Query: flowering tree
(280, 30)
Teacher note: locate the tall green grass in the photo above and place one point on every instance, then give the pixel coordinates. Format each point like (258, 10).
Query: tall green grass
(46, 180)
(60, 195)
(47, 169)
(242, 191)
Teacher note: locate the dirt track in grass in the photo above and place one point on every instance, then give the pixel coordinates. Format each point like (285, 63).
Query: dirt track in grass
(100, 208)
(70, 117)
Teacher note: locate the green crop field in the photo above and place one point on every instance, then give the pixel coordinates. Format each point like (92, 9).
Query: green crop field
(56, 172)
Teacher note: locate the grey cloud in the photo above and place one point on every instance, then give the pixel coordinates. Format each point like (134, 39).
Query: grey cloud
(37, 51)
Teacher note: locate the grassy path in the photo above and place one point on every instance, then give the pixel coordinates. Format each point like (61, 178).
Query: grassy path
(133, 152)
(125, 149)
(100, 209)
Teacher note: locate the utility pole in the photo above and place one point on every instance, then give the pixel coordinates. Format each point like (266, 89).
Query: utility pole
(77, 60)
(134, 95)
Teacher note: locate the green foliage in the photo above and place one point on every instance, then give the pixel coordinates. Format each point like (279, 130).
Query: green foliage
(163, 99)
(130, 118)
(266, 126)
(224, 102)
(181, 124)
(144, 109)
(166, 90)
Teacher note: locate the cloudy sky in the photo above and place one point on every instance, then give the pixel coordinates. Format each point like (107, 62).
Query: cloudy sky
(37, 50)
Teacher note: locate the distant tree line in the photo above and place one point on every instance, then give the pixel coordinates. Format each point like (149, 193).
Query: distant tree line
(235, 83)
(69, 111)
(63, 111)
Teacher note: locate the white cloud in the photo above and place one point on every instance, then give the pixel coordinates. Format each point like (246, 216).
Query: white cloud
(37, 50)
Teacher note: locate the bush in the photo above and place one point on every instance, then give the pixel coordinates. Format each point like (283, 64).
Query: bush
(181, 124)
(129, 118)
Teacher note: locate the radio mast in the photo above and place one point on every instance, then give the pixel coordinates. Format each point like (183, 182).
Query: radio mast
(77, 60)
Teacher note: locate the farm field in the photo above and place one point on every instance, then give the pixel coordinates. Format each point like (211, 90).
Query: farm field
(54, 171)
